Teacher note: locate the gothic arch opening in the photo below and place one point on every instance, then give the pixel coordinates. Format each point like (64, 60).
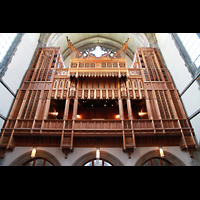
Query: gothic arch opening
(155, 154)
(114, 161)
(24, 158)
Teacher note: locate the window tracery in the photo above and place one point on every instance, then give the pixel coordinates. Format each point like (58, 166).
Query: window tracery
(38, 162)
(96, 162)
(98, 51)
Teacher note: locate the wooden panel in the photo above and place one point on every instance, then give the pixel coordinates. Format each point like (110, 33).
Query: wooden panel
(146, 87)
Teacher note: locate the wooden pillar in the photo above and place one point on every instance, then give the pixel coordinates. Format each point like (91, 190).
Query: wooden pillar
(148, 106)
(129, 109)
(128, 101)
(46, 110)
(66, 111)
(39, 104)
(121, 112)
(67, 102)
(75, 108)
(120, 103)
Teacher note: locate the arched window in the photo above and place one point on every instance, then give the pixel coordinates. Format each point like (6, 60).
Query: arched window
(61, 84)
(66, 84)
(129, 84)
(38, 162)
(140, 84)
(89, 159)
(95, 162)
(152, 158)
(135, 85)
(42, 158)
(55, 84)
(156, 161)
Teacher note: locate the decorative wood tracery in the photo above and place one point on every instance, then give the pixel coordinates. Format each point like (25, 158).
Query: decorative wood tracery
(146, 85)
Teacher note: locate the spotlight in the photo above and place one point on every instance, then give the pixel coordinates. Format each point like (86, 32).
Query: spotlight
(161, 152)
(33, 152)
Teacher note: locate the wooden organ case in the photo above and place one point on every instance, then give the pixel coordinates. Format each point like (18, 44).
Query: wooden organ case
(97, 99)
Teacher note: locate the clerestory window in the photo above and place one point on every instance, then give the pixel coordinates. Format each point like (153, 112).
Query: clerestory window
(6, 40)
(8, 46)
(191, 42)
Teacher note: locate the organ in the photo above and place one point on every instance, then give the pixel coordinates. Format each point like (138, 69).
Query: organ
(97, 97)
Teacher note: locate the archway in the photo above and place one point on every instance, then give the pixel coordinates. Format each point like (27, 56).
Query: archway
(24, 158)
(155, 154)
(114, 161)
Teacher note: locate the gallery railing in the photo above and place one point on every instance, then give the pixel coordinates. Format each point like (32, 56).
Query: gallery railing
(139, 126)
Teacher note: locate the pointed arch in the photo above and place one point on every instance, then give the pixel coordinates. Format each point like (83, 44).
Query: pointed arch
(104, 155)
(155, 153)
(39, 154)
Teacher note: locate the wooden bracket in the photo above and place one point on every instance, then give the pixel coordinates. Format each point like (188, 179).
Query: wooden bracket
(190, 151)
(3, 152)
(188, 144)
(66, 151)
(129, 152)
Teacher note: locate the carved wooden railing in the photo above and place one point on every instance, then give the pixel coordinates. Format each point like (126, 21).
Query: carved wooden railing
(98, 125)
(97, 94)
(139, 126)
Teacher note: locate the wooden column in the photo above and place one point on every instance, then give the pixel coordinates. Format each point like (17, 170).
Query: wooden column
(121, 112)
(46, 110)
(66, 111)
(75, 108)
(129, 108)
(67, 102)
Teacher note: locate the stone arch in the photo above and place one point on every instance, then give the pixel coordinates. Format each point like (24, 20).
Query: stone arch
(39, 154)
(104, 155)
(92, 41)
(155, 153)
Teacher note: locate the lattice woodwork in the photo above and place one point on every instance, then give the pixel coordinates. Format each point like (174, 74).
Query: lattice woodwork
(144, 95)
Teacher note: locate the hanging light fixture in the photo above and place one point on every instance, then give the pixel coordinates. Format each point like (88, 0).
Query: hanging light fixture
(33, 152)
(97, 153)
(161, 152)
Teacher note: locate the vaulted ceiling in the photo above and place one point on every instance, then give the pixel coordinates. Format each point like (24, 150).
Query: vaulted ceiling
(88, 40)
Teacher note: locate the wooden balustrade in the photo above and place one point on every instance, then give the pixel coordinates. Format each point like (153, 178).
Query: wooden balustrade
(140, 125)
(98, 125)
(53, 124)
(24, 124)
(97, 94)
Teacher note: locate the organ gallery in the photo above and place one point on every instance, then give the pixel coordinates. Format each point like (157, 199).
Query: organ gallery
(97, 102)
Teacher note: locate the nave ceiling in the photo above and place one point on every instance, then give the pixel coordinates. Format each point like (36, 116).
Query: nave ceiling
(88, 40)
